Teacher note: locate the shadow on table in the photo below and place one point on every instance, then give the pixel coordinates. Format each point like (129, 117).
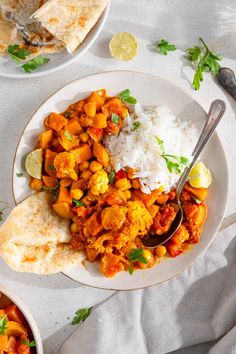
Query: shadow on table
(52, 344)
(211, 304)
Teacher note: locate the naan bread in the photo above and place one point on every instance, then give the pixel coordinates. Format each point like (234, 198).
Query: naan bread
(70, 20)
(8, 34)
(34, 239)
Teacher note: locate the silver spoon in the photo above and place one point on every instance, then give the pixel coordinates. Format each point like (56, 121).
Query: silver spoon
(214, 116)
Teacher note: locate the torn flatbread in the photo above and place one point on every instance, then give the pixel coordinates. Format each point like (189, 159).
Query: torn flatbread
(34, 239)
(70, 20)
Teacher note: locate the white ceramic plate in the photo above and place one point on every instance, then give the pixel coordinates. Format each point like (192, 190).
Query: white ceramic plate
(29, 318)
(8, 67)
(149, 90)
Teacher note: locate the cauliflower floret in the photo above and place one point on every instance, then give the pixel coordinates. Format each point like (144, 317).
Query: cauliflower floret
(139, 216)
(113, 217)
(98, 183)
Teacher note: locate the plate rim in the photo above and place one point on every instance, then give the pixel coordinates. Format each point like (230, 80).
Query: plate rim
(103, 18)
(215, 133)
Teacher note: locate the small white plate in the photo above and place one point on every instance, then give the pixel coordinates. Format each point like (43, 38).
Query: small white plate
(8, 67)
(149, 90)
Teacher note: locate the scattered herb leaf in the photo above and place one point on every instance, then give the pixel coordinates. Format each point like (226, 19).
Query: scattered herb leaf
(3, 325)
(160, 143)
(198, 201)
(131, 271)
(17, 53)
(35, 63)
(52, 168)
(136, 126)
(78, 203)
(54, 190)
(67, 134)
(2, 209)
(115, 118)
(81, 315)
(136, 254)
(29, 344)
(204, 61)
(174, 163)
(125, 97)
(111, 177)
(19, 174)
(163, 47)
(51, 188)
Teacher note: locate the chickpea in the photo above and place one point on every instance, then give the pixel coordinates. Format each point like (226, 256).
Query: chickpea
(74, 228)
(95, 166)
(84, 165)
(149, 257)
(160, 251)
(36, 184)
(86, 174)
(84, 137)
(76, 193)
(123, 184)
(90, 109)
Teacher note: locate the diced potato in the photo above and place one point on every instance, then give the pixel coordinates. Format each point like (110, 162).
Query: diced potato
(55, 121)
(15, 329)
(3, 343)
(100, 121)
(90, 109)
(95, 133)
(63, 210)
(36, 184)
(64, 196)
(123, 184)
(95, 97)
(101, 154)
(49, 162)
(76, 193)
(68, 141)
(66, 181)
(200, 193)
(74, 127)
(82, 153)
(50, 181)
(45, 138)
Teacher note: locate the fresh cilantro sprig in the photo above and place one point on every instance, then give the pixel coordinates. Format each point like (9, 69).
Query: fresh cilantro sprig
(3, 325)
(131, 270)
(164, 47)
(17, 53)
(111, 177)
(19, 174)
(125, 96)
(34, 64)
(204, 60)
(136, 254)
(136, 125)
(52, 168)
(54, 190)
(67, 134)
(78, 203)
(31, 344)
(174, 163)
(115, 118)
(81, 315)
(197, 200)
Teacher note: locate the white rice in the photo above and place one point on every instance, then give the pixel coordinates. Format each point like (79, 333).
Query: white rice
(140, 150)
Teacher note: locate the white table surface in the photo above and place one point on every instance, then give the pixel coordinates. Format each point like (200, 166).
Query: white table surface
(53, 300)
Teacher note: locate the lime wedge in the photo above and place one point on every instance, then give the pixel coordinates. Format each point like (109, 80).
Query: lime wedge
(33, 163)
(200, 176)
(123, 46)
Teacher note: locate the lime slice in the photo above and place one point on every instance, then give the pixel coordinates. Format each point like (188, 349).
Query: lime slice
(123, 46)
(200, 176)
(33, 163)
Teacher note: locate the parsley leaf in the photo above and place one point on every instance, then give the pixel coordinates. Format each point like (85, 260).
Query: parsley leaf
(81, 315)
(29, 344)
(131, 271)
(19, 174)
(115, 118)
(67, 134)
(125, 97)
(111, 177)
(52, 168)
(160, 143)
(78, 203)
(163, 47)
(136, 254)
(198, 201)
(174, 163)
(204, 61)
(3, 325)
(17, 53)
(34, 64)
(136, 126)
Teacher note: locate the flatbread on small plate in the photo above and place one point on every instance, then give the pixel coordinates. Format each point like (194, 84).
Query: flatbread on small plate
(70, 20)
(8, 34)
(34, 239)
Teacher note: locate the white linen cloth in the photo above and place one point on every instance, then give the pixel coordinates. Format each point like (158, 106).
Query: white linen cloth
(196, 307)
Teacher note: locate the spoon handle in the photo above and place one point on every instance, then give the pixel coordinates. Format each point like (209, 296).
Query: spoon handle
(214, 116)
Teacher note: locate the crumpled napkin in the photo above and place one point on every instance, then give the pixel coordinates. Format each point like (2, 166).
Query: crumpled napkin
(196, 307)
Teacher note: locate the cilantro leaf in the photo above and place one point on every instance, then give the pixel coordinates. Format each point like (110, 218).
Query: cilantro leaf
(81, 315)
(204, 61)
(34, 64)
(19, 174)
(111, 177)
(78, 203)
(136, 254)
(29, 344)
(54, 190)
(198, 201)
(115, 118)
(160, 143)
(17, 53)
(67, 134)
(3, 325)
(125, 97)
(136, 126)
(163, 47)
(131, 271)
(175, 163)
(52, 168)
